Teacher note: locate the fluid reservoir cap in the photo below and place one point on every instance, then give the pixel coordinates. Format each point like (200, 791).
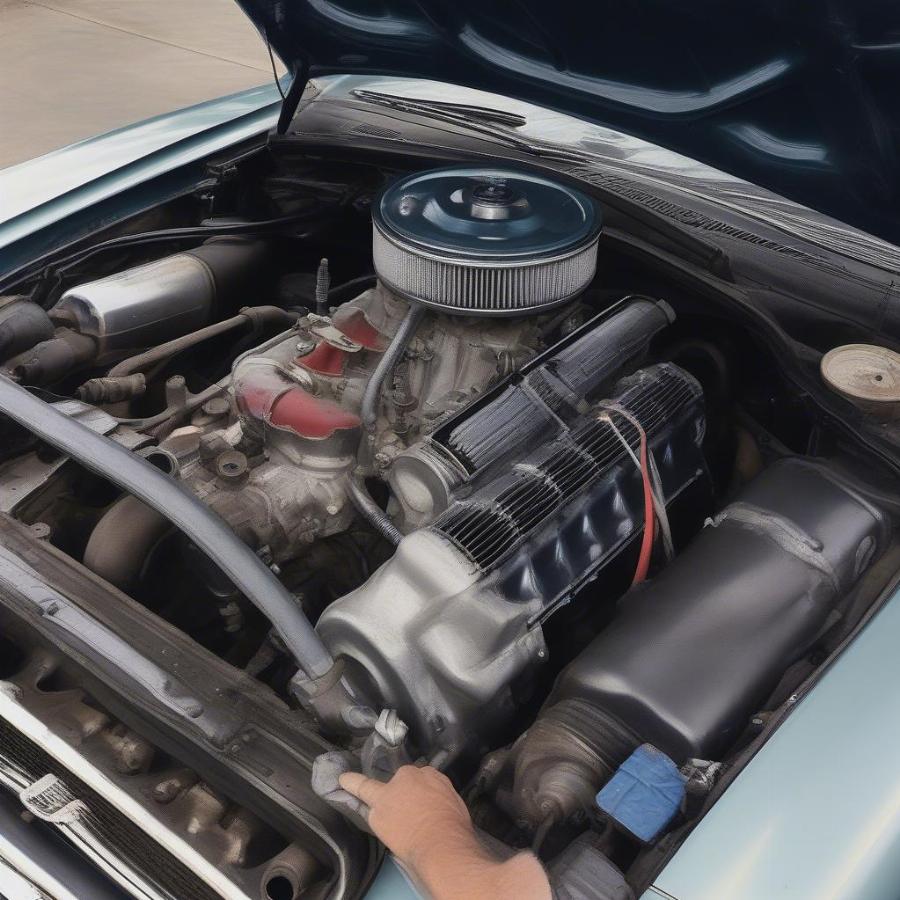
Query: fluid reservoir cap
(866, 374)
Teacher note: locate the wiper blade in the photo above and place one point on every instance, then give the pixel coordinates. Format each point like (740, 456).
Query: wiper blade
(466, 110)
(490, 122)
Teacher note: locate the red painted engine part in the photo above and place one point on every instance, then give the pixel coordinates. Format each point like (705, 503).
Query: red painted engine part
(310, 417)
(326, 359)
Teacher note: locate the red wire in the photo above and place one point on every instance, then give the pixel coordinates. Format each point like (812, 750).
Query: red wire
(643, 566)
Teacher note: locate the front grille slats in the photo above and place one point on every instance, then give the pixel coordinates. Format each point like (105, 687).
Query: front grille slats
(110, 826)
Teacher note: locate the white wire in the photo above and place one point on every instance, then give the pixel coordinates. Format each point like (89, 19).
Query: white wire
(659, 504)
(661, 511)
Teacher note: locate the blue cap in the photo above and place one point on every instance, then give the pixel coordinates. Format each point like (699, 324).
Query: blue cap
(644, 794)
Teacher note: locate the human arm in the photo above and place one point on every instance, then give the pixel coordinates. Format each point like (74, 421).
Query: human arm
(425, 824)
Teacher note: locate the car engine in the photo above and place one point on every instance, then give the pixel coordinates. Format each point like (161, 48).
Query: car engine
(539, 523)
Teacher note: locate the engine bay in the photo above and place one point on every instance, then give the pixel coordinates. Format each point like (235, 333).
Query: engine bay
(565, 528)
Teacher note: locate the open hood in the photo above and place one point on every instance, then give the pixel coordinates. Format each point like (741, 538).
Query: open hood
(799, 98)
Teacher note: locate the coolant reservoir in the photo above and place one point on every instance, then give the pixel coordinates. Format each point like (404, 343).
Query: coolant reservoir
(867, 375)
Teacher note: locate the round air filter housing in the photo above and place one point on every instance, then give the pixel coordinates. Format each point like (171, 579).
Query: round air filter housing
(491, 242)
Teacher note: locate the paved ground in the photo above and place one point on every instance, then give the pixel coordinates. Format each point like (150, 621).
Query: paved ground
(70, 69)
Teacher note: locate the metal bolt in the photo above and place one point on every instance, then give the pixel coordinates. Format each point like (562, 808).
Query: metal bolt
(176, 391)
(231, 465)
(216, 407)
(407, 205)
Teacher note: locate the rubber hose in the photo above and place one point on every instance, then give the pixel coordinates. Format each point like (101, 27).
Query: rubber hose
(122, 540)
(340, 293)
(136, 475)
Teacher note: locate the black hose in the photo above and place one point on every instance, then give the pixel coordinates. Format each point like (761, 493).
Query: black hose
(251, 315)
(340, 293)
(142, 479)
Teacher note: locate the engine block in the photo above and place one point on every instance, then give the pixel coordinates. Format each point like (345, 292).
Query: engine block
(277, 469)
(448, 627)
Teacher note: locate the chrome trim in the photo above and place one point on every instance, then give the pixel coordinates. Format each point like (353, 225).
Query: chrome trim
(71, 818)
(482, 287)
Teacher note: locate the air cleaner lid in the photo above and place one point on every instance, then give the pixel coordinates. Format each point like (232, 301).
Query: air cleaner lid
(487, 214)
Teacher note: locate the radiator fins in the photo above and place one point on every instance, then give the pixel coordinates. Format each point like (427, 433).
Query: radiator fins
(513, 420)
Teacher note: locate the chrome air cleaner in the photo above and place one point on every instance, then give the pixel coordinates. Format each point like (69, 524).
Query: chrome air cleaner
(478, 241)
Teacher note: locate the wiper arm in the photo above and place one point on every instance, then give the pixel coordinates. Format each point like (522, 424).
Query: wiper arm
(465, 110)
(475, 118)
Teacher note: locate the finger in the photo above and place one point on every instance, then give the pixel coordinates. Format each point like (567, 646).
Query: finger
(366, 789)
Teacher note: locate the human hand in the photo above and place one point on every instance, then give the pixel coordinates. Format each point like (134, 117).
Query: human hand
(423, 821)
(412, 811)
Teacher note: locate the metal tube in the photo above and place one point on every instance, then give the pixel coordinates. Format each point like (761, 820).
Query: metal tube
(369, 416)
(372, 511)
(142, 479)
(259, 315)
(390, 358)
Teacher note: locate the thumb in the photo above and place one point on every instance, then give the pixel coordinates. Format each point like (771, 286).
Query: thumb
(366, 789)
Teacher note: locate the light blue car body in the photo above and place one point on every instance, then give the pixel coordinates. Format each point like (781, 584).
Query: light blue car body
(816, 813)
(61, 186)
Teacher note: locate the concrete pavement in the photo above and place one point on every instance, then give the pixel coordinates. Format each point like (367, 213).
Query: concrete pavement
(70, 69)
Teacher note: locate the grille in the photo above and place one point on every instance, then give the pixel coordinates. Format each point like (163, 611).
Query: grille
(110, 827)
(500, 516)
(376, 130)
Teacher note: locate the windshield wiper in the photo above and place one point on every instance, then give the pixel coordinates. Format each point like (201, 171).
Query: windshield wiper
(484, 120)
(464, 110)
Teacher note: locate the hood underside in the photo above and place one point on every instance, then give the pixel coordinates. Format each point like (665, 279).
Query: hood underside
(797, 98)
